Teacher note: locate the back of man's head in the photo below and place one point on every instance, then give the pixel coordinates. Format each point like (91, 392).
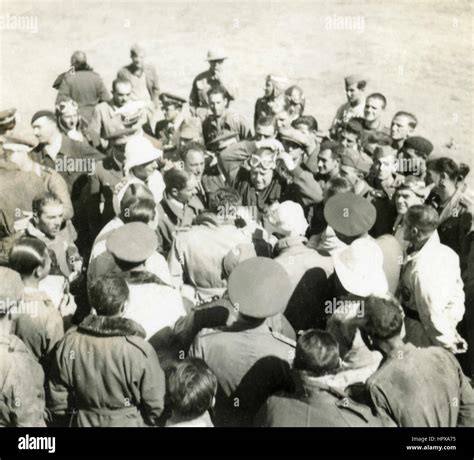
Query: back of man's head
(383, 318)
(317, 353)
(225, 200)
(425, 218)
(109, 294)
(192, 387)
(175, 179)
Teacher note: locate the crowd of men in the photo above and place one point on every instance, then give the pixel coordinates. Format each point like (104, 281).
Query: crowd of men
(166, 262)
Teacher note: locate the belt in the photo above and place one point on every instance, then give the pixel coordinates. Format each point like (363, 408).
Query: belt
(412, 314)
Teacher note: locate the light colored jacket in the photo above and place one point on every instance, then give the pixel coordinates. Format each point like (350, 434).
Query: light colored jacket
(431, 286)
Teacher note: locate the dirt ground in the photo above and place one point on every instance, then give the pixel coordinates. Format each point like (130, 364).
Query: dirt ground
(417, 53)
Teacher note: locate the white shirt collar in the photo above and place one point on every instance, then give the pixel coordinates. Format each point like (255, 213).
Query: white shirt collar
(52, 149)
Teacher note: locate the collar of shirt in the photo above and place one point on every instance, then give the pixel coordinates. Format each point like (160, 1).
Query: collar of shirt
(54, 147)
(175, 204)
(430, 245)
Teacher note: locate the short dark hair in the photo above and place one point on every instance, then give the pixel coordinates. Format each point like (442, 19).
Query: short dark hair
(266, 120)
(412, 119)
(317, 352)
(333, 146)
(42, 200)
(219, 89)
(223, 198)
(307, 120)
(382, 317)
(27, 254)
(175, 178)
(354, 127)
(118, 81)
(192, 146)
(192, 387)
(362, 84)
(449, 167)
(108, 294)
(136, 209)
(337, 185)
(380, 97)
(425, 218)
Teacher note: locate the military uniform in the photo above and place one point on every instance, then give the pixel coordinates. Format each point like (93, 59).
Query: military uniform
(250, 363)
(455, 224)
(201, 85)
(108, 173)
(382, 198)
(230, 121)
(345, 113)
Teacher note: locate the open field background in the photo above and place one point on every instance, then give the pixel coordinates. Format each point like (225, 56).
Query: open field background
(418, 53)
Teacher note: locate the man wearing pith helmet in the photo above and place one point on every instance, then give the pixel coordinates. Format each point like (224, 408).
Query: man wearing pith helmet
(250, 361)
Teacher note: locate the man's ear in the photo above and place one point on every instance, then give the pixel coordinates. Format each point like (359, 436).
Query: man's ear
(35, 217)
(174, 192)
(414, 231)
(124, 307)
(38, 272)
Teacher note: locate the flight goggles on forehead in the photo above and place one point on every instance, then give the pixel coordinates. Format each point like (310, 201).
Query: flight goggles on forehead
(267, 162)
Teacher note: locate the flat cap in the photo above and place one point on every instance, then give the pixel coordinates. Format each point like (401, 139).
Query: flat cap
(216, 55)
(222, 140)
(418, 143)
(296, 137)
(168, 98)
(350, 214)
(355, 159)
(134, 242)
(382, 151)
(259, 287)
(7, 116)
(353, 79)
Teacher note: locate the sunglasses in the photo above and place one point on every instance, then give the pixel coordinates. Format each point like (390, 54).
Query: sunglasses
(265, 163)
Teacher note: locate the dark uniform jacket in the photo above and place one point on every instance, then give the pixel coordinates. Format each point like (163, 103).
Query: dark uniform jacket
(250, 363)
(315, 404)
(382, 199)
(212, 180)
(108, 174)
(105, 374)
(456, 224)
